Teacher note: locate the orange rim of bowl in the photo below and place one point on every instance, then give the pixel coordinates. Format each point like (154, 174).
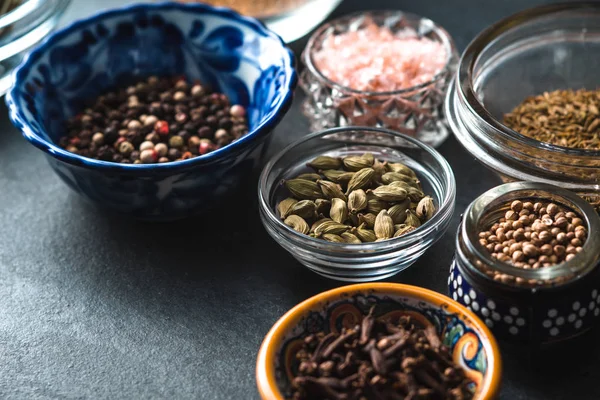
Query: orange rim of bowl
(265, 367)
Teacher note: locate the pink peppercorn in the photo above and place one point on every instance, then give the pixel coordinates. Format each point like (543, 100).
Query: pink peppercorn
(205, 147)
(162, 128)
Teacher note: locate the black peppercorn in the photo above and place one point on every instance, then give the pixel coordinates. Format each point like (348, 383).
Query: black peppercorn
(205, 132)
(105, 153)
(185, 135)
(173, 154)
(134, 155)
(211, 121)
(225, 123)
(115, 115)
(203, 111)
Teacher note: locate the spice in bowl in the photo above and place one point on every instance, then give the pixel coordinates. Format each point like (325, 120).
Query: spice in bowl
(379, 360)
(568, 118)
(375, 59)
(355, 199)
(155, 121)
(535, 235)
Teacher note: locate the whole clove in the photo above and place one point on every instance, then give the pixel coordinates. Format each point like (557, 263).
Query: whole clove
(379, 359)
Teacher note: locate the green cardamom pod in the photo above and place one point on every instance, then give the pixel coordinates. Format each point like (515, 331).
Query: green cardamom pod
(415, 195)
(317, 223)
(403, 229)
(303, 189)
(367, 219)
(306, 209)
(330, 227)
(353, 219)
(339, 210)
(330, 237)
(384, 226)
(380, 169)
(425, 208)
(361, 179)
(390, 193)
(309, 177)
(412, 219)
(285, 206)
(350, 238)
(323, 206)
(398, 211)
(331, 190)
(338, 176)
(364, 234)
(325, 162)
(390, 177)
(369, 157)
(375, 205)
(356, 163)
(297, 223)
(401, 168)
(357, 201)
(405, 185)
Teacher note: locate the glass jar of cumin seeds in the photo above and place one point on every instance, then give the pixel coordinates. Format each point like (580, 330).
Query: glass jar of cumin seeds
(532, 306)
(539, 50)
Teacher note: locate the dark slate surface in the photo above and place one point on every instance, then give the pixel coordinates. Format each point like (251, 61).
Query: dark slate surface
(94, 305)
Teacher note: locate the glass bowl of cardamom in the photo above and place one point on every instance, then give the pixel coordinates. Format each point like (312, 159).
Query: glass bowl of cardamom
(526, 102)
(352, 209)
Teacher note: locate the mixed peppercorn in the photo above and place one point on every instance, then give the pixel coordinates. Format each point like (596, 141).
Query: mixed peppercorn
(156, 120)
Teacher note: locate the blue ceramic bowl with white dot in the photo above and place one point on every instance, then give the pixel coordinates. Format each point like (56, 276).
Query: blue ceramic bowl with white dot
(537, 307)
(232, 54)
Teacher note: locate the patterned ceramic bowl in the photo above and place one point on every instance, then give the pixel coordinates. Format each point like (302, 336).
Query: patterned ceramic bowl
(470, 342)
(536, 307)
(234, 54)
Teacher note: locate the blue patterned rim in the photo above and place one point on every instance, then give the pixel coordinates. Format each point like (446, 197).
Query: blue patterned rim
(22, 71)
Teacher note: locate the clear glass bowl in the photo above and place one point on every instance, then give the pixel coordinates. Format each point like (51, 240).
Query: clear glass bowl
(415, 111)
(543, 49)
(21, 29)
(366, 261)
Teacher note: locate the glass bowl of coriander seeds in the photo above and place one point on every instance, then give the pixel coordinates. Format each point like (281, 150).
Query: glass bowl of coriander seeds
(356, 210)
(525, 100)
(526, 263)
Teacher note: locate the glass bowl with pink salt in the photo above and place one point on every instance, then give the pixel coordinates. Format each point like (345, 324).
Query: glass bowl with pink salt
(386, 69)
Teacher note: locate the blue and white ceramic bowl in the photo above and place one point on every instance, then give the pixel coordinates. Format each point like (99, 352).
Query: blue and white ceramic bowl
(535, 307)
(234, 54)
(469, 341)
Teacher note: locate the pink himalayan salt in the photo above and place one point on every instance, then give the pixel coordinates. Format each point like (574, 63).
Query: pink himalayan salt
(375, 59)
